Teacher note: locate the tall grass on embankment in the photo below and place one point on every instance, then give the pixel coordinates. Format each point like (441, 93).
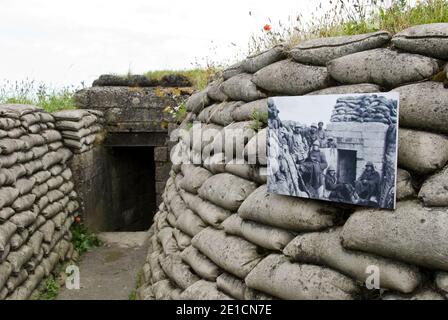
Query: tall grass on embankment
(39, 94)
(350, 17)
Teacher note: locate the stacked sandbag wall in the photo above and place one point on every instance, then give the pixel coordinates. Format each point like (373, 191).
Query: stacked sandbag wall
(37, 200)
(220, 235)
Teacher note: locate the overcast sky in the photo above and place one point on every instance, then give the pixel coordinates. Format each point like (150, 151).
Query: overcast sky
(63, 42)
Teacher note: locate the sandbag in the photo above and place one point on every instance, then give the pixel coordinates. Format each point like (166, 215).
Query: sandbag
(210, 213)
(241, 88)
(201, 265)
(222, 113)
(7, 196)
(215, 92)
(324, 248)
(291, 78)
(182, 239)
(231, 253)
(168, 241)
(18, 258)
(193, 179)
(226, 190)
(163, 289)
(6, 213)
(197, 101)
(25, 185)
(422, 152)
(5, 272)
(255, 150)
(231, 285)
(190, 223)
(287, 212)
(233, 138)
(277, 276)
(215, 163)
(23, 219)
(232, 70)
(7, 229)
(203, 290)
(404, 185)
(248, 111)
(247, 171)
(441, 282)
(411, 233)
(260, 60)
(348, 89)
(434, 191)
(427, 39)
(157, 273)
(320, 51)
(424, 294)
(177, 271)
(433, 116)
(384, 67)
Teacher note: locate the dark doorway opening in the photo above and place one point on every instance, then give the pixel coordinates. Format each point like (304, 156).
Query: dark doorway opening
(133, 194)
(346, 166)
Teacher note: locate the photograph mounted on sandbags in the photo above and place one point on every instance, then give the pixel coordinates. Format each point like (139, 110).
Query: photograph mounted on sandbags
(339, 148)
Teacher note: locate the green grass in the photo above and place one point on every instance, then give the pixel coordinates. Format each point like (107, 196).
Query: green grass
(83, 240)
(350, 17)
(30, 92)
(50, 289)
(259, 120)
(138, 283)
(199, 77)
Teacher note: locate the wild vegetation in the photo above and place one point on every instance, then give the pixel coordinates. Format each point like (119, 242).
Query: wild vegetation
(39, 94)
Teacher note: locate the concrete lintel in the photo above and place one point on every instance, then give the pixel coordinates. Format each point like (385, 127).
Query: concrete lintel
(135, 139)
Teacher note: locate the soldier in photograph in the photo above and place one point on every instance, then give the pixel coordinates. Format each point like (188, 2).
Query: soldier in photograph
(368, 184)
(313, 169)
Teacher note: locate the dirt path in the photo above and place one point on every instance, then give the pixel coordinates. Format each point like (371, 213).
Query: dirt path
(109, 272)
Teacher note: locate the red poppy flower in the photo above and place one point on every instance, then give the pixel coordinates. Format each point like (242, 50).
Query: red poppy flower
(267, 27)
(78, 219)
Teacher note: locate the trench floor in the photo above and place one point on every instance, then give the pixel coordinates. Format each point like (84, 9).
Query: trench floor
(109, 272)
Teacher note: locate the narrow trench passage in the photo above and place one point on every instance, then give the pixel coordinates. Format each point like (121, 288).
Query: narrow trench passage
(109, 272)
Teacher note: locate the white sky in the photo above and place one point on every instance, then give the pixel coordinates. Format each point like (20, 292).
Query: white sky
(63, 42)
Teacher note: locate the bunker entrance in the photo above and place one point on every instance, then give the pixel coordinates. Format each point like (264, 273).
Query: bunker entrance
(133, 193)
(346, 166)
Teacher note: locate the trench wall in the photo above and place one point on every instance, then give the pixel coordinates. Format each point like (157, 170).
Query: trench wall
(220, 235)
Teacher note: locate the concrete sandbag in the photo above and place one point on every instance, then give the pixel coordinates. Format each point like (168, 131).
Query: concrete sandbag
(168, 241)
(70, 115)
(157, 273)
(226, 190)
(247, 171)
(231, 253)
(241, 88)
(260, 60)
(320, 51)
(291, 78)
(250, 110)
(324, 248)
(222, 113)
(233, 138)
(7, 196)
(25, 185)
(163, 289)
(434, 191)
(255, 150)
(427, 39)
(203, 290)
(16, 280)
(277, 276)
(215, 163)
(349, 89)
(404, 185)
(411, 233)
(424, 294)
(18, 258)
(7, 229)
(422, 152)
(424, 106)
(190, 223)
(209, 213)
(201, 265)
(177, 270)
(182, 239)
(215, 92)
(251, 294)
(287, 212)
(23, 219)
(441, 281)
(197, 101)
(232, 70)
(24, 202)
(384, 67)
(5, 272)
(231, 285)
(6, 213)
(193, 179)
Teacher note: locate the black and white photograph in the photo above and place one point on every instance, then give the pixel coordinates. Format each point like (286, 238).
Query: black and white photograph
(339, 148)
